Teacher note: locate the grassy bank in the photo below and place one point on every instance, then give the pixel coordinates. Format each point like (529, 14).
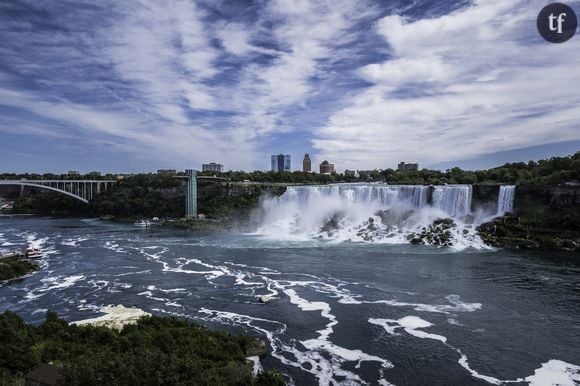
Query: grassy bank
(154, 351)
(14, 267)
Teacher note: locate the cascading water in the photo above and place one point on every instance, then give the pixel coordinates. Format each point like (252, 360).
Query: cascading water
(374, 213)
(505, 199)
(455, 200)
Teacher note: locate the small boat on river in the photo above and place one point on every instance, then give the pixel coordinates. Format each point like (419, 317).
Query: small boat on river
(142, 223)
(32, 252)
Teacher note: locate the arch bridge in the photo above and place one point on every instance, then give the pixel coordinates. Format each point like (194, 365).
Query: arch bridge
(82, 190)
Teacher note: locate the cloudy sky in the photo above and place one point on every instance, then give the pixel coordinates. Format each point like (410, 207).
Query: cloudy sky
(137, 85)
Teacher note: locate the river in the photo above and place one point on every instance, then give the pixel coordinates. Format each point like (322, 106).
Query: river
(344, 310)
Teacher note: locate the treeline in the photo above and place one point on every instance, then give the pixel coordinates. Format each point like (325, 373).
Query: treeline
(281, 177)
(550, 171)
(155, 351)
(151, 195)
(144, 195)
(53, 176)
(14, 267)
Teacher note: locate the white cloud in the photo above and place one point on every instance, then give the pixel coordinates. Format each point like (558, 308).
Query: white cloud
(307, 32)
(188, 88)
(473, 82)
(235, 38)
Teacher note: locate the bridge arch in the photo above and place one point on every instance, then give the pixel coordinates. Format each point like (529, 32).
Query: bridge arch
(54, 185)
(47, 188)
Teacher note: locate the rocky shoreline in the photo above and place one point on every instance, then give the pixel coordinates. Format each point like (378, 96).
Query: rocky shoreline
(115, 317)
(514, 233)
(15, 268)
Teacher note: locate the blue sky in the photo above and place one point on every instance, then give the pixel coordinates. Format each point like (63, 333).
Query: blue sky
(131, 85)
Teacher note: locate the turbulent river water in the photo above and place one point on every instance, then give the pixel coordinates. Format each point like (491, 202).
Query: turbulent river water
(345, 311)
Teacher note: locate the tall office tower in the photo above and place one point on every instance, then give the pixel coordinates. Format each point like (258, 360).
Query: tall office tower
(281, 163)
(306, 164)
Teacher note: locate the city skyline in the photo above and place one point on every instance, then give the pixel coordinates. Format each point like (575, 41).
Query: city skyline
(135, 86)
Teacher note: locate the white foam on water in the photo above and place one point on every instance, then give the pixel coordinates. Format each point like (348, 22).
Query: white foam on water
(209, 274)
(131, 273)
(457, 305)
(551, 373)
(73, 242)
(53, 283)
(413, 325)
(463, 362)
(98, 284)
(454, 322)
(149, 295)
(113, 246)
(181, 262)
(410, 324)
(311, 361)
(556, 373)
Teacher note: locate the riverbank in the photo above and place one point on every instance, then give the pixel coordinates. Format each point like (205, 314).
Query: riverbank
(513, 232)
(14, 268)
(115, 317)
(139, 349)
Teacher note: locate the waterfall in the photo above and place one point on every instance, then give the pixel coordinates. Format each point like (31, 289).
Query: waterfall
(455, 200)
(412, 196)
(505, 199)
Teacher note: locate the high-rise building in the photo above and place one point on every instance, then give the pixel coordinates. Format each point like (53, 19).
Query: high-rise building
(405, 167)
(326, 167)
(212, 167)
(281, 163)
(306, 164)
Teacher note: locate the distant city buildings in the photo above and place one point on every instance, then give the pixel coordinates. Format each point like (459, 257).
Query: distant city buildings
(166, 171)
(406, 167)
(74, 173)
(306, 164)
(281, 163)
(212, 167)
(326, 167)
(350, 173)
(369, 175)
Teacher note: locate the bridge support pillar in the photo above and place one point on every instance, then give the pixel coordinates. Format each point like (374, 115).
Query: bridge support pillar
(191, 193)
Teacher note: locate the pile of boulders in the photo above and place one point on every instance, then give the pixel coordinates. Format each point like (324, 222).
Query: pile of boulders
(438, 233)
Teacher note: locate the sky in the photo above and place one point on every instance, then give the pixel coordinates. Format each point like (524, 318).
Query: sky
(141, 85)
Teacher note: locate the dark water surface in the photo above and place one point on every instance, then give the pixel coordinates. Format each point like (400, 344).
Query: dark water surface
(350, 312)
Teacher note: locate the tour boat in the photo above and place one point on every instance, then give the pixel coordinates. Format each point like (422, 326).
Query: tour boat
(142, 223)
(32, 252)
